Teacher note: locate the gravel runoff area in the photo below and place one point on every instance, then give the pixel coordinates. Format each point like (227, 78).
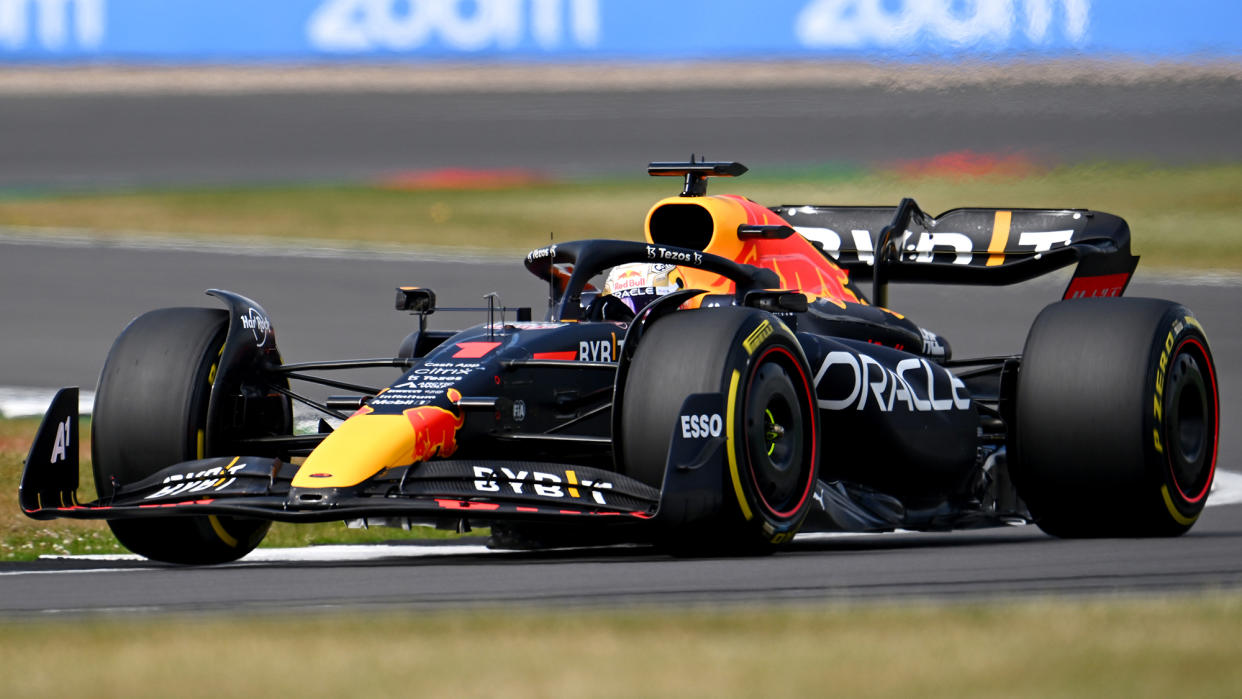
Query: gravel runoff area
(528, 77)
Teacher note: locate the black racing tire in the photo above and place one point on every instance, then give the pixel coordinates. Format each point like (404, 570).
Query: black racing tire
(771, 437)
(1117, 419)
(151, 412)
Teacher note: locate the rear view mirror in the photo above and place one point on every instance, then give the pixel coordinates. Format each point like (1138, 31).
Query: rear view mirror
(416, 299)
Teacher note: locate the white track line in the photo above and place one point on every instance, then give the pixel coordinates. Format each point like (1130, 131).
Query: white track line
(75, 571)
(336, 553)
(16, 401)
(1227, 490)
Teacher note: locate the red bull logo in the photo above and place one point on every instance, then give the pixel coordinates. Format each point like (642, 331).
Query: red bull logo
(801, 271)
(435, 432)
(628, 279)
(795, 270)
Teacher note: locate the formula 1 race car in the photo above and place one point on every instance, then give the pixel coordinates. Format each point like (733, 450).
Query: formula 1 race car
(729, 383)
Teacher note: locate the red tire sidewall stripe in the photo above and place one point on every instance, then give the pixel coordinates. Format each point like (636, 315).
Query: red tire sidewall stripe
(814, 453)
(1207, 485)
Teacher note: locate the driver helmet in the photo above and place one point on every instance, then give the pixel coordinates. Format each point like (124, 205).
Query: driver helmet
(638, 284)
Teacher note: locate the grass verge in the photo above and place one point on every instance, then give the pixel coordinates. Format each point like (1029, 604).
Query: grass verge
(1122, 648)
(24, 539)
(1180, 217)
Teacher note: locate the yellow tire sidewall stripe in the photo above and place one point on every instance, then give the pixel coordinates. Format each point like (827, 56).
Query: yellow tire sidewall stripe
(1177, 516)
(201, 438)
(731, 411)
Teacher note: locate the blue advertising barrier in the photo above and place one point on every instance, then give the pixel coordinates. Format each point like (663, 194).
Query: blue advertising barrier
(179, 31)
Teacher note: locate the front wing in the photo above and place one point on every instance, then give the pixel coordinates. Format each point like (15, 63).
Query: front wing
(260, 487)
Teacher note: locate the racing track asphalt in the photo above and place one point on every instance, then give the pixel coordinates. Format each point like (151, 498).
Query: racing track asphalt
(168, 139)
(1005, 563)
(63, 305)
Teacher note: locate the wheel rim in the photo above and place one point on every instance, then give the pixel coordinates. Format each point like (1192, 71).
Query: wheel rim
(1190, 420)
(777, 435)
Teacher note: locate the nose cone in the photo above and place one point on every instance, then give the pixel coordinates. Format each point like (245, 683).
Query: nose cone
(368, 443)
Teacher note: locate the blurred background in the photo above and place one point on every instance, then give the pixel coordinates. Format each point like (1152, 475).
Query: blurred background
(312, 154)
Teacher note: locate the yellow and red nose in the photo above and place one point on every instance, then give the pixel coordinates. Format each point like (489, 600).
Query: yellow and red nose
(368, 443)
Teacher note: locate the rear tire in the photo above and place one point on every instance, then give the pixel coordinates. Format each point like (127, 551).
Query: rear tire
(1117, 419)
(772, 436)
(150, 413)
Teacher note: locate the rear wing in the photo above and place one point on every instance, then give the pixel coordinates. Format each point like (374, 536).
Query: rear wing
(970, 246)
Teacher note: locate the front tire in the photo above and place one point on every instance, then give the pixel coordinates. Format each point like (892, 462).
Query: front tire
(771, 424)
(151, 412)
(1117, 419)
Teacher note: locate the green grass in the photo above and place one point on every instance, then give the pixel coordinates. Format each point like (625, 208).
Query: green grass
(23, 539)
(1180, 217)
(1103, 648)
